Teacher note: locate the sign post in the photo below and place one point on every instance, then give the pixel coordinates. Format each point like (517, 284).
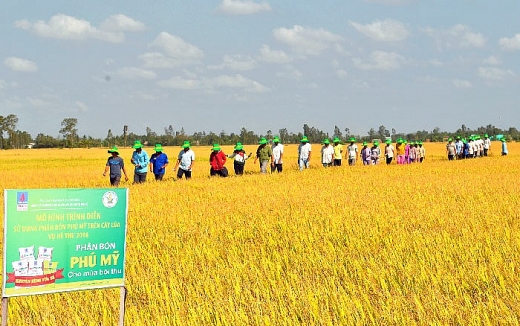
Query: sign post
(59, 240)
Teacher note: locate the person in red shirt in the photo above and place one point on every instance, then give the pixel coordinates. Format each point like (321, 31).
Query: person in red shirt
(217, 160)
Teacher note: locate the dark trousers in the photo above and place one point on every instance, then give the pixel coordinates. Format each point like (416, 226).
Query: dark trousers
(139, 177)
(239, 168)
(389, 160)
(222, 172)
(276, 167)
(337, 162)
(181, 172)
(159, 177)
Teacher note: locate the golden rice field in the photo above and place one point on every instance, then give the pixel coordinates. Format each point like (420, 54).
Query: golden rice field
(437, 243)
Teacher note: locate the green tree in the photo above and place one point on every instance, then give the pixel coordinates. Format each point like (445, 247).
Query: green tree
(69, 130)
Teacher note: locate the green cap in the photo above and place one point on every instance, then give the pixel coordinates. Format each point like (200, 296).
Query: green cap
(376, 143)
(216, 147)
(137, 144)
(336, 140)
(186, 144)
(365, 143)
(503, 140)
(262, 141)
(449, 139)
(304, 139)
(276, 139)
(158, 147)
(388, 141)
(239, 147)
(326, 141)
(114, 149)
(352, 139)
(486, 135)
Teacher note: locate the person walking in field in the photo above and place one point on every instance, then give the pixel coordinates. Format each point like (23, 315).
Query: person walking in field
(487, 144)
(366, 153)
(115, 164)
(304, 153)
(412, 153)
(422, 152)
(158, 162)
(140, 160)
(185, 161)
(217, 161)
(451, 150)
(400, 151)
(375, 153)
(504, 147)
(264, 154)
(459, 148)
(327, 153)
(389, 151)
(277, 149)
(338, 152)
(239, 158)
(352, 152)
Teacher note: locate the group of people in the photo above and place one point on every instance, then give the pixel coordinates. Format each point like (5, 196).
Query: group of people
(472, 147)
(271, 156)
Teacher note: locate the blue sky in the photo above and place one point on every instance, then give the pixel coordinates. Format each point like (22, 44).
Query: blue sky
(264, 65)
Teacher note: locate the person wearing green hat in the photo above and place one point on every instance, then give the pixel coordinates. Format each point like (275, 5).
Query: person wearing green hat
(412, 153)
(352, 152)
(421, 152)
(375, 153)
(459, 148)
(239, 158)
(504, 147)
(389, 151)
(327, 153)
(217, 161)
(140, 160)
(264, 153)
(338, 151)
(487, 144)
(115, 164)
(158, 162)
(400, 149)
(304, 153)
(277, 149)
(365, 154)
(185, 161)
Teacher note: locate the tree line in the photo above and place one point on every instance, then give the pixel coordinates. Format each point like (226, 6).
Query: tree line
(12, 138)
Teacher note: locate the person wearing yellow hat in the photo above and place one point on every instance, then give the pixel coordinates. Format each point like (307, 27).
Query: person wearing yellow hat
(185, 161)
(264, 154)
(304, 153)
(115, 164)
(140, 160)
(338, 151)
(158, 162)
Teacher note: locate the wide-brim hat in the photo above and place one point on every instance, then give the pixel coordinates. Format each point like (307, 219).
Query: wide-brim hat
(365, 143)
(186, 144)
(216, 147)
(304, 139)
(276, 139)
(376, 143)
(388, 141)
(114, 149)
(137, 144)
(352, 139)
(239, 147)
(326, 141)
(158, 148)
(262, 141)
(336, 140)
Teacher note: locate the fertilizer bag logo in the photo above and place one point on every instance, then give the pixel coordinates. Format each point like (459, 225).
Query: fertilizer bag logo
(109, 199)
(22, 201)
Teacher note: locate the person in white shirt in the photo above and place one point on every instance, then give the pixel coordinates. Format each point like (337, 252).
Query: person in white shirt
(389, 151)
(352, 152)
(304, 153)
(277, 154)
(487, 144)
(327, 153)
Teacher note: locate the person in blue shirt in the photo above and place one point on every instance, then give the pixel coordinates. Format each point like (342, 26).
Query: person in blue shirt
(140, 160)
(459, 148)
(158, 162)
(504, 147)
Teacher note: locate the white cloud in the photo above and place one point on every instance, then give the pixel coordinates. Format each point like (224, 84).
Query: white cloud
(243, 7)
(122, 23)
(136, 73)
(458, 36)
(82, 106)
(273, 56)
(65, 27)
(236, 62)
(492, 61)
(212, 83)
(493, 73)
(3, 84)
(436, 63)
(19, 64)
(38, 102)
(342, 74)
(387, 30)
(459, 83)
(306, 41)
(510, 44)
(290, 73)
(177, 52)
(380, 60)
